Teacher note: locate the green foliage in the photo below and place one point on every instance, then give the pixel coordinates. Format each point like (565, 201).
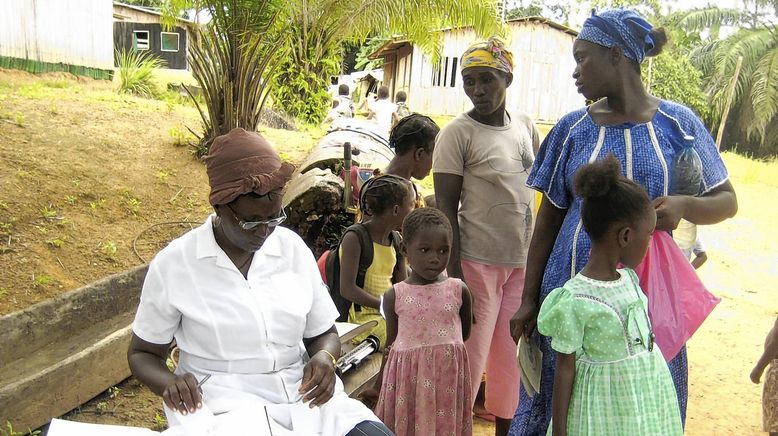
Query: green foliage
(57, 243)
(42, 280)
(645, 7)
(303, 93)
(131, 202)
(233, 64)
(753, 119)
(363, 61)
(159, 421)
(9, 431)
(136, 72)
(109, 249)
(180, 136)
(534, 9)
(48, 212)
(316, 30)
(672, 76)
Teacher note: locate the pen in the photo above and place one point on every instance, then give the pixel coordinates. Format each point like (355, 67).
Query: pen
(205, 379)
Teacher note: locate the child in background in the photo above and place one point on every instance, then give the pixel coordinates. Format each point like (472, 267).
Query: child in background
(688, 239)
(386, 200)
(610, 379)
(402, 110)
(425, 387)
(699, 253)
(345, 105)
(770, 393)
(413, 140)
(381, 110)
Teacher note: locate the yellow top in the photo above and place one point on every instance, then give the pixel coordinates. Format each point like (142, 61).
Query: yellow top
(378, 279)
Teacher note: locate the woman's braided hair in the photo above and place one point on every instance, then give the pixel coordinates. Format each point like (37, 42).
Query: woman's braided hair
(380, 193)
(412, 132)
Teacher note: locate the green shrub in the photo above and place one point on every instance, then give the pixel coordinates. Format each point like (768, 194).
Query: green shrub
(136, 72)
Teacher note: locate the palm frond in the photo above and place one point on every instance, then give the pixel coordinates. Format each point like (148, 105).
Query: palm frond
(719, 69)
(136, 72)
(417, 20)
(233, 61)
(709, 18)
(764, 92)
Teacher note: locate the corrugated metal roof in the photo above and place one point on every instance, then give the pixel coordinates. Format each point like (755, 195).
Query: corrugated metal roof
(147, 11)
(397, 41)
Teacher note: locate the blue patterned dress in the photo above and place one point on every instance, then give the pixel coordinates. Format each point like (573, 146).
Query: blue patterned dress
(646, 151)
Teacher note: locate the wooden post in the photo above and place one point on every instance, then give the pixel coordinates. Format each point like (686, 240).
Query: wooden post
(347, 188)
(650, 74)
(730, 96)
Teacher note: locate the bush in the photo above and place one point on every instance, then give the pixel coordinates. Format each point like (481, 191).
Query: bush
(136, 72)
(301, 94)
(675, 78)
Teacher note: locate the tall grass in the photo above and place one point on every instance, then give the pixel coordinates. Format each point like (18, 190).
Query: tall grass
(136, 72)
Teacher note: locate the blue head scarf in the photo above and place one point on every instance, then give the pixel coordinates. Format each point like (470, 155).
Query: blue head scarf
(620, 28)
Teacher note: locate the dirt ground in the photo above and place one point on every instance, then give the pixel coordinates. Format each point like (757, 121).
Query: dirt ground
(85, 172)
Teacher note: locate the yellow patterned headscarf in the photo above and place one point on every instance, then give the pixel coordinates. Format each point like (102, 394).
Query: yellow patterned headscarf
(492, 53)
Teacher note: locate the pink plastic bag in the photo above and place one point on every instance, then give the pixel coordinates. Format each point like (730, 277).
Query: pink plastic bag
(678, 302)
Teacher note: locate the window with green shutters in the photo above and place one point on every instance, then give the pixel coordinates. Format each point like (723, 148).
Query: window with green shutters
(140, 39)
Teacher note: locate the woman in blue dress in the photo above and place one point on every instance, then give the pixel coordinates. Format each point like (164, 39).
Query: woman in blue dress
(645, 134)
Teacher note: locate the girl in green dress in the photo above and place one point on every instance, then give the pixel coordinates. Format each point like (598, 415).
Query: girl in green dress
(610, 377)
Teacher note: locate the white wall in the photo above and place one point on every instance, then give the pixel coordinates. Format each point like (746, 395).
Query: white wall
(74, 32)
(542, 79)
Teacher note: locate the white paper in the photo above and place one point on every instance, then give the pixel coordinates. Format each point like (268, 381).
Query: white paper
(344, 327)
(306, 420)
(199, 423)
(60, 427)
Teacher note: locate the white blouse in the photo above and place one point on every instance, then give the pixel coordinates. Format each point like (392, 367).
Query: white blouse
(246, 332)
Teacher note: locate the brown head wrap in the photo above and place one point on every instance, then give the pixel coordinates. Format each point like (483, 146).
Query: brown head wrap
(241, 162)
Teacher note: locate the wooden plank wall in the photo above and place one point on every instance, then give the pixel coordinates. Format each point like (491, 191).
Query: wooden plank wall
(542, 86)
(123, 32)
(73, 32)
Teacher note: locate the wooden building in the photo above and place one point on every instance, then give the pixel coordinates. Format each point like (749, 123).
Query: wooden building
(55, 35)
(138, 28)
(542, 83)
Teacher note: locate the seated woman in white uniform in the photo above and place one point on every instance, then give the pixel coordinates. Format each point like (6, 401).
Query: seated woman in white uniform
(245, 302)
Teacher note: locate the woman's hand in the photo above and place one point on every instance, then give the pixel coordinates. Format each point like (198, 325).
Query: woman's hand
(669, 211)
(183, 395)
(318, 383)
(524, 320)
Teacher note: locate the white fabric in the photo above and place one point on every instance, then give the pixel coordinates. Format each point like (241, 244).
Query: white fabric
(382, 114)
(496, 207)
(195, 294)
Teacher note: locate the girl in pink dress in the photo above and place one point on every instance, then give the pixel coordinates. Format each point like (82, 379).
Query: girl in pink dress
(426, 378)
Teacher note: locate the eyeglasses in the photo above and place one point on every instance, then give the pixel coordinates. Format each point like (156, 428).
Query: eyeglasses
(250, 225)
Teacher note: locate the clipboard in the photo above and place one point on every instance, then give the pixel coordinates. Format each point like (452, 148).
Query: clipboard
(348, 331)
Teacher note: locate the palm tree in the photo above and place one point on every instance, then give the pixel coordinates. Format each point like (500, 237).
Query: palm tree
(232, 59)
(236, 56)
(754, 111)
(318, 30)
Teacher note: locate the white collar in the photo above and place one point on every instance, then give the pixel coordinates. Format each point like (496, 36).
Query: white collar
(208, 247)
